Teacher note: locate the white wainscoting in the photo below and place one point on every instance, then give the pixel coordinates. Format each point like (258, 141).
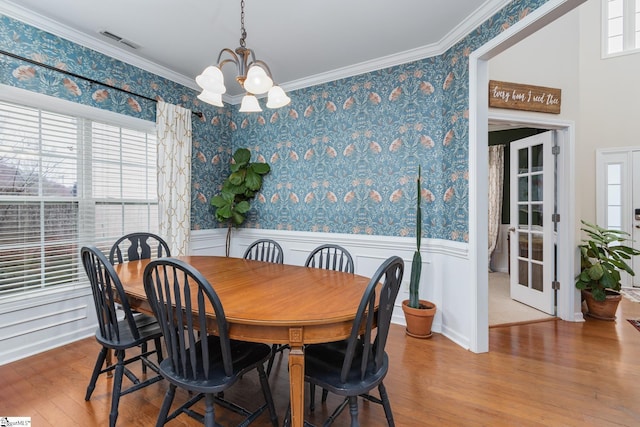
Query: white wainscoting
(368, 253)
(40, 322)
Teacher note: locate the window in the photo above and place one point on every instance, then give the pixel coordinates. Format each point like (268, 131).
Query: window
(621, 26)
(65, 182)
(613, 189)
(614, 196)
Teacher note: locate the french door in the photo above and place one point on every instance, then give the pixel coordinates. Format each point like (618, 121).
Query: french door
(531, 232)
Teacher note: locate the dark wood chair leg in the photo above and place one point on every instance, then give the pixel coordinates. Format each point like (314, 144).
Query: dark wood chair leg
(264, 383)
(353, 409)
(386, 405)
(209, 413)
(96, 372)
(109, 362)
(166, 405)
(312, 397)
(117, 386)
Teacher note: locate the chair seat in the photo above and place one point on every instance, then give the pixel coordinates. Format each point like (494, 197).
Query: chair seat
(245, 355)
(148, 329)
(324, 363)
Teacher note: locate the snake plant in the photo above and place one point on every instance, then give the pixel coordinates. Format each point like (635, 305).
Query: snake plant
(416, 264)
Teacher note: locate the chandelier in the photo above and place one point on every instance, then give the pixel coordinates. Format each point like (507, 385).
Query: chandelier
(253, 75)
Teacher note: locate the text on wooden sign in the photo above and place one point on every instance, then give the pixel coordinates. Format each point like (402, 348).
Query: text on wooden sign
(516, 96)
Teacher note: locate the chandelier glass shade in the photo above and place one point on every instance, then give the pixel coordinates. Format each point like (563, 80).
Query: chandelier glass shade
(253, 75)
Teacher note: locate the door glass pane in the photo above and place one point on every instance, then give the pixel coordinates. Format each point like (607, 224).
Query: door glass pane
(536, 158)
(536, 188)
(536, 215)
(523, 273)
(523, 247)
(523, 189)
(536, 247)
(523, 217)
(614, 194)
(614, 216)
(536, 277)
(523, 160)
(614, 173)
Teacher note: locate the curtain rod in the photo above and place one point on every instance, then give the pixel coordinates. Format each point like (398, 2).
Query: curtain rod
(69, 73)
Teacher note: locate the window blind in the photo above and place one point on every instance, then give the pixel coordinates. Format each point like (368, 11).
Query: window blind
(66, 182)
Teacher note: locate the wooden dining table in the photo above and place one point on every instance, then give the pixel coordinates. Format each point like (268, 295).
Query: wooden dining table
(271, 303)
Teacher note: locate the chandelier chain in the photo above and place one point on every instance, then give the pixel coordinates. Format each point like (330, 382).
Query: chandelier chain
(243, 32)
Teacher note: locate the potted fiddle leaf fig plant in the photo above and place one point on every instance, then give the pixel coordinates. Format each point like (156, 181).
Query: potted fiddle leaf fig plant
(603, 255)
(418, 313)
(233, 201)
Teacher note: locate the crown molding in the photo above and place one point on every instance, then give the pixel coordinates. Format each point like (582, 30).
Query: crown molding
(488, 9)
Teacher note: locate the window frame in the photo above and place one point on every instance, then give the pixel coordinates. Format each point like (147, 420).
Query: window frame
(631, 25)
(31, 99)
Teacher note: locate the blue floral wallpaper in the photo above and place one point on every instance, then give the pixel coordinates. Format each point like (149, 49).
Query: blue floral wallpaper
(344, 155)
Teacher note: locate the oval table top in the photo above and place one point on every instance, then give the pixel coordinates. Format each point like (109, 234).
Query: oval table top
(267, 295)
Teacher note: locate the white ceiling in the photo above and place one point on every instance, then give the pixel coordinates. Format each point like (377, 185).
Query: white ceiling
(303, 42)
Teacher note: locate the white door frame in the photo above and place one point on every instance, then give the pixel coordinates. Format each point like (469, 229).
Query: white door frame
(568, 309)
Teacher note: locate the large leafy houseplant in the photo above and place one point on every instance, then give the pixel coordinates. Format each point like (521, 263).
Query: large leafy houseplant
(603, 255)
(240, 187)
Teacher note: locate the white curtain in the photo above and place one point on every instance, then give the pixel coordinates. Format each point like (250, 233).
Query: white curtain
(173, 125)
(496, 182)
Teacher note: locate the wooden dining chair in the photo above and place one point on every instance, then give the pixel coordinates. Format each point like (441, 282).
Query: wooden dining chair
(140, 245)
(329, 257)
(118, 335)
(360, 363)
(133, 247)
(199, 361)
(265, 250)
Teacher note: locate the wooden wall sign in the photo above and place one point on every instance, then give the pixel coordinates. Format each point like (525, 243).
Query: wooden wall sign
(516, 96)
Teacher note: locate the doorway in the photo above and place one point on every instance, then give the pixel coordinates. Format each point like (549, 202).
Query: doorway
(568, 304)
(618, 198)
(515, 276)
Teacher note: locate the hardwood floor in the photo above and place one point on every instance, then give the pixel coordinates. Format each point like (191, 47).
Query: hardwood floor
(541, 374)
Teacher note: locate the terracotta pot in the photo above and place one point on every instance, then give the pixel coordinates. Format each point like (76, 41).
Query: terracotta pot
(419, 320)
(603, 310)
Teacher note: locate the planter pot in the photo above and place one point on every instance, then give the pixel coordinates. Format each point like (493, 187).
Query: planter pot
(419, 320)
(603, 310)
